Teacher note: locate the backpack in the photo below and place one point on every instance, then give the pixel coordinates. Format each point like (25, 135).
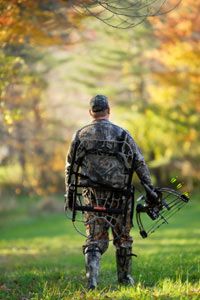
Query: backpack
(103, 163)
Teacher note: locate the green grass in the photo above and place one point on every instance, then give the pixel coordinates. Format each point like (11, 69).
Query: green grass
(41, 258)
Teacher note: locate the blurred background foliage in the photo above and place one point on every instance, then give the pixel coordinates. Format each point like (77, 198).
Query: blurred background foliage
(53, 60)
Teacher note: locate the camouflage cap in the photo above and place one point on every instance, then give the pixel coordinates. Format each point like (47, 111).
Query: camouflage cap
(99, 103)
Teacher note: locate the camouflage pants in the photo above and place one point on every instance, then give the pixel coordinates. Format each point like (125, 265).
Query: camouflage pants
(98, 224)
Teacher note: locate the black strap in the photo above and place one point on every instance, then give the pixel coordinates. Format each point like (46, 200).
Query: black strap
(122, 139)
(132, 206)
(132, 254)
(77, 142)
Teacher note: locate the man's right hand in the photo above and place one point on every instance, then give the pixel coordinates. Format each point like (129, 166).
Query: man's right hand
(152, 196)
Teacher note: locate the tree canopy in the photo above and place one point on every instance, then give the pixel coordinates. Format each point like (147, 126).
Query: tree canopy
(53, 59)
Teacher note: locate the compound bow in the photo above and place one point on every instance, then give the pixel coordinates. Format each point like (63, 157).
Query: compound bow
(159, 206)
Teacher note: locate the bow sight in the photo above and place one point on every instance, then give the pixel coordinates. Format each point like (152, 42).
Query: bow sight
(159, 206)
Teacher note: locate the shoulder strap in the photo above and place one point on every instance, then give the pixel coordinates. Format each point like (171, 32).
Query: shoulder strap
(77, 142)
(122, 138)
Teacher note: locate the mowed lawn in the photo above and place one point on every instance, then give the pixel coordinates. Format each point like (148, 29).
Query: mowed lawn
(41, 258)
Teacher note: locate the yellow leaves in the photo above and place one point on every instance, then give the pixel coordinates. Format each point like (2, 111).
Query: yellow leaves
(11, 116)
(175, 89)
(32, 22)
(186, 146)
(192, 135)
(16, 26)
(182, 55)
(58, 160)
(193, 119)
(162, 96)
(185, 27)
(8, 118)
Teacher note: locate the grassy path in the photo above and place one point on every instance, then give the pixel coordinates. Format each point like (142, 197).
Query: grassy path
(41, 258)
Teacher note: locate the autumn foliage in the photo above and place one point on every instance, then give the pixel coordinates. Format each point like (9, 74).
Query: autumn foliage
(151, 72)
(177, 81)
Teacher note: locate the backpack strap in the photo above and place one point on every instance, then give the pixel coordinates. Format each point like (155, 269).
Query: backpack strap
(77, 142)
(122, 139)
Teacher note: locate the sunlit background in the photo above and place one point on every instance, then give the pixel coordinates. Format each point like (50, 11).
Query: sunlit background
(54, 59)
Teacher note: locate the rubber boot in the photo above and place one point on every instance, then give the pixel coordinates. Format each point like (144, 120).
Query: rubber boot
(92, 258)
(124, 263)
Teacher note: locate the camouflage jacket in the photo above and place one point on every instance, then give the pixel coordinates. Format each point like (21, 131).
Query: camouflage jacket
(103, 132)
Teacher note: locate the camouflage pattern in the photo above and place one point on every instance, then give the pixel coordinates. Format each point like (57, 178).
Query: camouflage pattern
(97, 229)
(92, 258)
(100, 134)
(112, 172)
(99, 103)
(124, 263)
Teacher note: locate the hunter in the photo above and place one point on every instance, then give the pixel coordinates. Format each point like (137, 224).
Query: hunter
(101, 129)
